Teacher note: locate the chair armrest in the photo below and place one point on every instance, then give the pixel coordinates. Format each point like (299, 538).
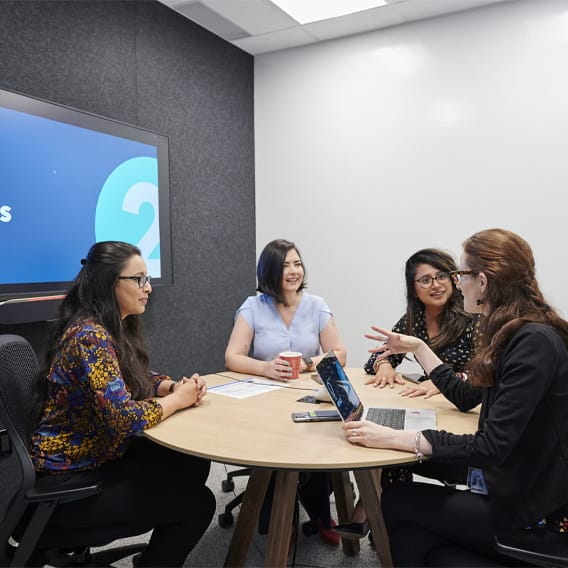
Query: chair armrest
(539, 546)
(72, 493)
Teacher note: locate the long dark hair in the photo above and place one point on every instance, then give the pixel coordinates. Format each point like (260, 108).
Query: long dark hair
(453, 320)
(513, 296)
(92, 296)
(271, 266)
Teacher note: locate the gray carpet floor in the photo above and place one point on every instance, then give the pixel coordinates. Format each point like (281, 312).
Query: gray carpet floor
(310, 552)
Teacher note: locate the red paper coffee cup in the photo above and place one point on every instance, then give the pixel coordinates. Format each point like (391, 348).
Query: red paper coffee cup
(293, 358)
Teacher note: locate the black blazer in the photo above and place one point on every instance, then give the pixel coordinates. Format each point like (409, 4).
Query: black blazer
(522, 441)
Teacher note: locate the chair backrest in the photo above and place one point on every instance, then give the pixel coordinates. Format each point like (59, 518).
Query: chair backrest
(18, 367)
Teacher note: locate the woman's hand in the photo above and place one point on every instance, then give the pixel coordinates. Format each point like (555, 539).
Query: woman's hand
(399, 343)
(369, 434)
(385, 375)
(277, 369)
(393, 342)
(426, 389)
(190, 391)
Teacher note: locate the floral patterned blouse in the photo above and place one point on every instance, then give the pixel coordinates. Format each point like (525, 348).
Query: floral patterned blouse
(89, 413)
(456, 355)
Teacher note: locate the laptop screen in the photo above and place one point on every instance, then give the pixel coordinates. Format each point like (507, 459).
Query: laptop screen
(339, 387)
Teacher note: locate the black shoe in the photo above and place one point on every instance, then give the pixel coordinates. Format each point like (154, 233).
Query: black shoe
(352, 531)
(309, 528)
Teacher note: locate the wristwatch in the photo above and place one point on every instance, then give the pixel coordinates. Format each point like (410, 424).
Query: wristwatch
(309, 362)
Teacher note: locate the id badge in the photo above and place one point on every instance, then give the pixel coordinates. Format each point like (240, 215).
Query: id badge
(476, 481)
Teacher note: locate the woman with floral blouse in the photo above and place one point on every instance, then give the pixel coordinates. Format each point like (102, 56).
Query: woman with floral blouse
(94, 398)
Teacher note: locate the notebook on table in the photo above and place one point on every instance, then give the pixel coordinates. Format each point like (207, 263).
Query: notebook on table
(350, 407)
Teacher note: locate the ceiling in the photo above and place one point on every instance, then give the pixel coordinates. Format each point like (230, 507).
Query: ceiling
(259, 26)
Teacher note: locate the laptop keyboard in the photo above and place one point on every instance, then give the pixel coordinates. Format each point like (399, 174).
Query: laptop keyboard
(391, 417)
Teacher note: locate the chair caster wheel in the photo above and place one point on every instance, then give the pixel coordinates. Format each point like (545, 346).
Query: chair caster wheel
(227, 485)
(226, 520)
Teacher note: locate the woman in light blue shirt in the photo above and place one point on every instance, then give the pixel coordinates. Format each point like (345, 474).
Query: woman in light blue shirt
(286, 318)
(283, 318)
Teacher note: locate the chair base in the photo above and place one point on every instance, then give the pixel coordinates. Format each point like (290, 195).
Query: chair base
(85, 556)
(226, 519)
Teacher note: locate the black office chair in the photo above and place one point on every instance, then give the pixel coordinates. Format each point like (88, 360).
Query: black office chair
(226, 517)
(26, 538)
(535, 548)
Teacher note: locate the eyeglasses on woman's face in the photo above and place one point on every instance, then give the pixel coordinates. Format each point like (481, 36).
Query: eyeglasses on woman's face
(427, 281)
(457, 275)
(140, 280)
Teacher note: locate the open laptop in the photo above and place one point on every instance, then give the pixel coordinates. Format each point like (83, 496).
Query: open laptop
(350, 407)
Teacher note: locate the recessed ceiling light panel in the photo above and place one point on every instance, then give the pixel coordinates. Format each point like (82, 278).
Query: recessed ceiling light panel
(306, 11)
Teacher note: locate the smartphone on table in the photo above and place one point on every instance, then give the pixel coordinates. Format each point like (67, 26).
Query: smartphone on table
(316, 416)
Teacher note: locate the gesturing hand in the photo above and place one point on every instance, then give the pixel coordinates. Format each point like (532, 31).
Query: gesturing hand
(392, 343)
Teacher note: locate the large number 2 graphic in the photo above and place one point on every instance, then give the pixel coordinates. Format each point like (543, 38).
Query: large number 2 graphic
(128, 209)
(135, 197)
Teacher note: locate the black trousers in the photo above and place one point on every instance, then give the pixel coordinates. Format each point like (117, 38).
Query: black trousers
(423, 518)
(150, 485)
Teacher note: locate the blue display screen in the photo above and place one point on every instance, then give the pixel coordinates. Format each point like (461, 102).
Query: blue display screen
(69, 179)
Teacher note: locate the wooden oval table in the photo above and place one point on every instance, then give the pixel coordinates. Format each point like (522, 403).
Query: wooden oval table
(258, 432)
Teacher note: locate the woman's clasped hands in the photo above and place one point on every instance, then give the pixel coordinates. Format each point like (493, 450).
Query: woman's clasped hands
(190, 390)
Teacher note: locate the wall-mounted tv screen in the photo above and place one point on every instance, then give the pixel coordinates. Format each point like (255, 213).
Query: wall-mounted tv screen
(69, 179)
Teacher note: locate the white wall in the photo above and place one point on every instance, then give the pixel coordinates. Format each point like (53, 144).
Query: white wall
(371, 147)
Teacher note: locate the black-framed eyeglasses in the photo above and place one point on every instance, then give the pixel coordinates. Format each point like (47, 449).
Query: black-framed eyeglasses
(427, 281)
(457, 274)
(140, 280)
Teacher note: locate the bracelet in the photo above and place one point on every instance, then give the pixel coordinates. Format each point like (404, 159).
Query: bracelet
(171, 388)
(419, 455)
(379, 362)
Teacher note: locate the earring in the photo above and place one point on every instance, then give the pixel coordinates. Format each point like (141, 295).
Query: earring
(480, 301)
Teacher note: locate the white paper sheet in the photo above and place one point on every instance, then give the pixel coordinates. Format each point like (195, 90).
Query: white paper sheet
(243, 388)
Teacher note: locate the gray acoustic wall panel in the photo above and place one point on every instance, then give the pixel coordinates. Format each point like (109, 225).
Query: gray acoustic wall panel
(142, 63)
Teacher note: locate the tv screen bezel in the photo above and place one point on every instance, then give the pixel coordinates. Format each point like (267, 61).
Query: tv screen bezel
(65, 114)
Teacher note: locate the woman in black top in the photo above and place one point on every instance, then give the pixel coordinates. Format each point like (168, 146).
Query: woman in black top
(435, 314)
(518, 458)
